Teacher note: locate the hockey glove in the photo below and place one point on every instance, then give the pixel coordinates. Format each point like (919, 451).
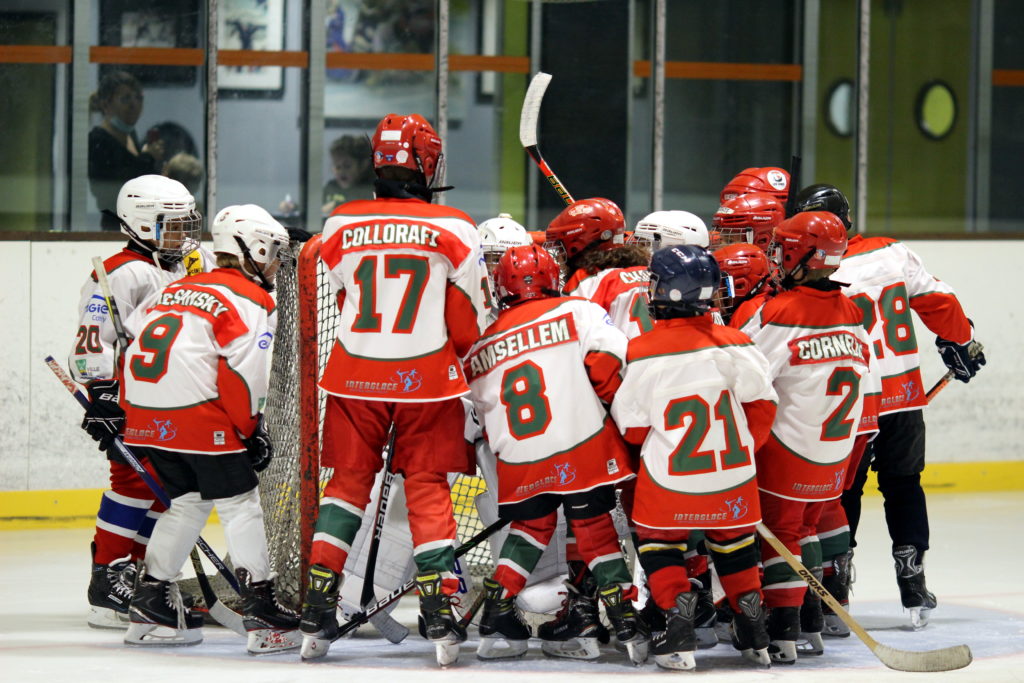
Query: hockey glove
(104, 418)
(259, 448)
(964, 360)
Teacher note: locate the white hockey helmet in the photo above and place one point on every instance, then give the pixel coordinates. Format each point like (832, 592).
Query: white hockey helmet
(671, 229)
(499, 234)
(156, 211)
(252, 234)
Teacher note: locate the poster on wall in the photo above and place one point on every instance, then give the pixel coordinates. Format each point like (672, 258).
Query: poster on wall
(251, 25)
(151, 23)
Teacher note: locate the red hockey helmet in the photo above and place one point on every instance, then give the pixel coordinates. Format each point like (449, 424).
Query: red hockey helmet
(746, 264)
(409, 142)
(586, 222)
(748, 218)
(770, 179)
(527, 272)
(812, 239)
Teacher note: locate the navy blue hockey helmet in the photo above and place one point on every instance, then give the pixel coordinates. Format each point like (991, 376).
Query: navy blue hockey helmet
(684, 280)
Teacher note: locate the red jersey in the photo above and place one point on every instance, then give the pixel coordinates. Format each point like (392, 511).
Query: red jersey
(620, 291)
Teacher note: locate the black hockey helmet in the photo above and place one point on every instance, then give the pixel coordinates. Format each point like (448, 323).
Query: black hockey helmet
(684, 280)
(824, 197)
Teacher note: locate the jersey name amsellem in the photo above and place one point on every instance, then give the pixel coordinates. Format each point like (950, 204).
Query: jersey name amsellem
(538, 377)
(622, 292)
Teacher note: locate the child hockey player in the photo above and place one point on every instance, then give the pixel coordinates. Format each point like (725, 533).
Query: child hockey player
(541, 377)
(751, 282)
(747, 218)
(195, 381)
(697, 469)
(662, 229)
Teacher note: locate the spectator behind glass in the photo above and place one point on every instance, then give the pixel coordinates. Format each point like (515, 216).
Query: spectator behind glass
(351, 159)
(115, 155)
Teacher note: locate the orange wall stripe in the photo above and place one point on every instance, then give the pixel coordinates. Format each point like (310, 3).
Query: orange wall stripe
(263, 58)
(380, 60)
(35, 54)
(1011, 77)
(511, 65)
(153, 56)
(723, 71)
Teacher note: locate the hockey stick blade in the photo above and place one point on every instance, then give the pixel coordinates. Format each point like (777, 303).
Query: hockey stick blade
(945, 659)
(221, 613)
(529, 117)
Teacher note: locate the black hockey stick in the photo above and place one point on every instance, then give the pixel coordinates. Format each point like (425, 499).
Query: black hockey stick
(362, 617)
(528, 120)
(384, 623)
(794, 185)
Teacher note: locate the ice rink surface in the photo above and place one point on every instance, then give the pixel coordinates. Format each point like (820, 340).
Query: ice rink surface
(974, 567)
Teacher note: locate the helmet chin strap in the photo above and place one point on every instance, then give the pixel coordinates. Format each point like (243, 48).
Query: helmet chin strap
(144, 247)
(789, 280)
(247, 257)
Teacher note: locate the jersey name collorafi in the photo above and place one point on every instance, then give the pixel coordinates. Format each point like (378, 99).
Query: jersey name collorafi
(388, 233)
(548, 333)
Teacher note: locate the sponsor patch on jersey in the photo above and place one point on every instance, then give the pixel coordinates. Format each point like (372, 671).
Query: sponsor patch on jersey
(218, 439)
(560, 330)
(194, 262)
(827, 347)
(264, 340)
(81, 364)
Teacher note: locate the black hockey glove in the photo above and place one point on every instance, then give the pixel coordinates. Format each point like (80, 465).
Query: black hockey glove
(259, 448)
(963, 359)
(104, 418)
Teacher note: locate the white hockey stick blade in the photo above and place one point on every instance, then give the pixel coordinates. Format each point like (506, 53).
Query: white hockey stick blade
(227, 617)
(388, 627)
(531, 108)
(946, 659)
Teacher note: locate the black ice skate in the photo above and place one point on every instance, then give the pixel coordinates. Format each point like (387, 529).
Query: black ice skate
(501, 623)
(783, 630)
(437, 621)
(575, 631)
(159, 618)
(674, 647)
(629, 629)
(913, 592)
(838, 584)
(749, 633)
(270, 626)
(319, 623)
(812, 620)
(110, 592)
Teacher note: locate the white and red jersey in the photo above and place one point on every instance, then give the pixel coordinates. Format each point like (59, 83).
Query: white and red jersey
(620, 291)
(699, 397)
(413, 296)
(133, 277)
(196, 374)
(820, 361)
(540, 378)
(886, 279)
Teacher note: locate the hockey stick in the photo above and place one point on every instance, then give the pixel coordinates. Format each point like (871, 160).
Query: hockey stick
(362, 617)
(794, 185)
(384, 623)
(974, 349)
(946, 659)
(224, 615)
(528, 120)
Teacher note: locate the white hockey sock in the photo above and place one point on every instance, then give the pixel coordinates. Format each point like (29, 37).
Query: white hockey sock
(242, 517)
(174, 535)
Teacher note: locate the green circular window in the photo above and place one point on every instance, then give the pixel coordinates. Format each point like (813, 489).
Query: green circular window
(936, 110)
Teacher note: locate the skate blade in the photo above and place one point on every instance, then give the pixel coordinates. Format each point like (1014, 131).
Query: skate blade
(810, 644)
(782, 651)
(637, 650)
(446, 652)
(919, 617)
(706, 637)
(500, 648)
(574, 648)
(153, 635)
(313, 647)
(759, 657)
(106, 618)
(835, 627)
(268, 641)
(679, 661)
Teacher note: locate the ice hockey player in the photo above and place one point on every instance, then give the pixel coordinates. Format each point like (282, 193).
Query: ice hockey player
(888, 280)
(158, 215)
(662, 229)
(412, 297)
(820, 359)
(542, 376)
(689, 364)
(770, 179)
(195, 383)
(746, 282)
(746, 218)
(499, 234)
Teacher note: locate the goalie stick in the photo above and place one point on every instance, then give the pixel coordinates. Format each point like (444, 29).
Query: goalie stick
(945, 659)
(974, 350)
(528, 120)
(360, 618)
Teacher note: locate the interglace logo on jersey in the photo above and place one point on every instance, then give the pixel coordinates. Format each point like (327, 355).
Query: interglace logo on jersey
(566, 473)
(827, 347)
(736, 508)
(839, 478)
(408, 380)
(165, 430)
(911, 390)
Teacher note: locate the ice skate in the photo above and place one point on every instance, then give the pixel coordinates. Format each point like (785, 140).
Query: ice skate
(502, 632)
(749, 633)
(575, 631)
(783, 630)
(673, 648)
(437, 621)
(837, 582)
(159, 618)
(706, 616)
(629, 629)
(270, 627)
(913, 592)
(319, 623)
(110, 592)
(812, 621)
